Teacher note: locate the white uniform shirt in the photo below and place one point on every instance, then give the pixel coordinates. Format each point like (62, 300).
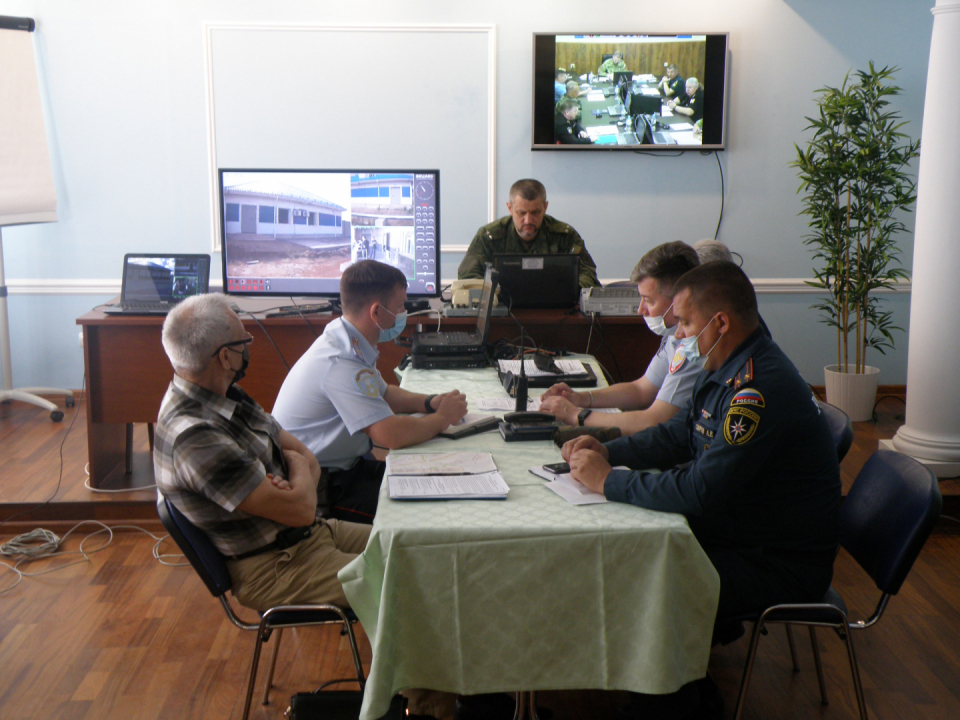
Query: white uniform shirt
(673, 374)
(332, 392)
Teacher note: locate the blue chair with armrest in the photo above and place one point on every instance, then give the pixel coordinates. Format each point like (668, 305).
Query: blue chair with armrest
(885, 520)
(211, 566)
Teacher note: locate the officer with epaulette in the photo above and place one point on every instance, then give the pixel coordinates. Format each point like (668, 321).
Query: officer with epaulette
(572, 94)
(527, 229)
(750, 461)
(336, 403)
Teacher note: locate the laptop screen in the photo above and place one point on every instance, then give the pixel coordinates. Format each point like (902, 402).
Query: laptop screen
(538, 280)
(486, 303)
(164, 278)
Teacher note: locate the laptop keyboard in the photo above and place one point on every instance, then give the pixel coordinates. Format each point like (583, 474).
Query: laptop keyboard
(147, 305)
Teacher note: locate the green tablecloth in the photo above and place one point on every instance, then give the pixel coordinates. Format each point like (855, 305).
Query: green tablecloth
(530, 593)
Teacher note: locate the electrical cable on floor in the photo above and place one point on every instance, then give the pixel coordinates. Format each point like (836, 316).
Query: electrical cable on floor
(76, 412)
(41, 544)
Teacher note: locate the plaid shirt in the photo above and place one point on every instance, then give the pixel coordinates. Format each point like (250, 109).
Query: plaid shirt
(210, 452)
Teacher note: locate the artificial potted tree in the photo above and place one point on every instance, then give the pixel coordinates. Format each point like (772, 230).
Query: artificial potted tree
(856, 181)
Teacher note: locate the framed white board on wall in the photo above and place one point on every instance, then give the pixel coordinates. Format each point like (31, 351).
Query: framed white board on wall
(357, 97)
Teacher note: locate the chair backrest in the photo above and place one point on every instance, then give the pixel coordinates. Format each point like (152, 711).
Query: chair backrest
(841, 429)
(888, 515)
(197, 548)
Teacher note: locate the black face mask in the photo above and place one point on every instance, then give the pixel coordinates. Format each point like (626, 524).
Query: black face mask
(244, 363)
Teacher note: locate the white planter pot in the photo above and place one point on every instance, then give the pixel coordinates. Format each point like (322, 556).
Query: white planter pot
(854, 393)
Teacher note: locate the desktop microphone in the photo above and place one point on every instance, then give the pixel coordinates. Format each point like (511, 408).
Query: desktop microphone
(521, 392)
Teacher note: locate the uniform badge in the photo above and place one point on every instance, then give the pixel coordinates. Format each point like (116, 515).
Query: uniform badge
(678, 361)
(740, 425)
(748, 396)
(367, 382)
(356, 349)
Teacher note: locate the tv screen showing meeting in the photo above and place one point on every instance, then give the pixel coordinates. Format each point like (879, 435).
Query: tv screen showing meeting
(294, 232)
(629, 91)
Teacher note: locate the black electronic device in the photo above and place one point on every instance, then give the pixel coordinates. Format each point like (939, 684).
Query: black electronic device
(588, 378)
(528, 426)
(293, 232)
(461, 342)
(520, 388)
(538, 281)
(459, 361)
(703, 56)
(154, 283)
(545, 363)
(557, 468)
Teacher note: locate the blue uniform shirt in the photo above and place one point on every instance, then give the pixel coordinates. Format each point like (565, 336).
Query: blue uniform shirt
(753, 465)
(331, 394)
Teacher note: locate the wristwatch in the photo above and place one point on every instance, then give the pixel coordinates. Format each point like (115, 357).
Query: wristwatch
(426, 404)
(582, 416)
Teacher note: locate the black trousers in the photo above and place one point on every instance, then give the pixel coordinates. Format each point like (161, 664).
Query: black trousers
(353, 493)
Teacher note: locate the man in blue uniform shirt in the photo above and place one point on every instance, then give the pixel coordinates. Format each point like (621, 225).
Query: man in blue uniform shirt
(749, 461)
(335, 402)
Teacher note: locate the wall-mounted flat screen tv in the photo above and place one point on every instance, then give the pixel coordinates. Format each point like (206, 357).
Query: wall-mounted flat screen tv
(643, 91)
(294, 232)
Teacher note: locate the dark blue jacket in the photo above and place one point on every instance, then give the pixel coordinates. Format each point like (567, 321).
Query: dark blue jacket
(753, 463)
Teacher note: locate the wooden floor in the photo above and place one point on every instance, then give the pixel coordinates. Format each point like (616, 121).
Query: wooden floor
(124, 637)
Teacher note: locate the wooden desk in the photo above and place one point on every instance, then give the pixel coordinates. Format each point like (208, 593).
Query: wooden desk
(127, 371)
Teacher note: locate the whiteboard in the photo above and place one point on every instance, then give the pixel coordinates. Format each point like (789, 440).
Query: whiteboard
(356, 98)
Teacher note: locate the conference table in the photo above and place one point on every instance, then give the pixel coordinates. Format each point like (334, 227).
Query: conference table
(127, 372)
(528, 593)
(603, 120)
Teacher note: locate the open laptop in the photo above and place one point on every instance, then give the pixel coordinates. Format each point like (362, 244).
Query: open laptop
(538, 281)
(461, 342)
(153, 284)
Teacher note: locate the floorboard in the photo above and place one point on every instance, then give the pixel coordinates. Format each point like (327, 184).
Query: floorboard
(123, 637)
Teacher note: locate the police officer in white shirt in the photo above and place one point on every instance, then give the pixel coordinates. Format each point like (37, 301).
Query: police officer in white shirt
(667, 384)
(337, 404)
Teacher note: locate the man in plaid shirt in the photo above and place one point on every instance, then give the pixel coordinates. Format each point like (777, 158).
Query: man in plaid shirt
(230, 468)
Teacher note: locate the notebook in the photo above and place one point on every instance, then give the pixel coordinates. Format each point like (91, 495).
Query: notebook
(153, 284)
(462, 342)
(538, 281)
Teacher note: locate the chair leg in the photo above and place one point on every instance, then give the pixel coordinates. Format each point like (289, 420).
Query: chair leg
(253, 674)
(855, 671)
(357, 665)
(273, 664)
(819, 665)
(793, 648)
(748, 669)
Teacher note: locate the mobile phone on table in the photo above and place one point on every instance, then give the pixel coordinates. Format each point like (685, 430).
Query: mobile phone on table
(557, 468)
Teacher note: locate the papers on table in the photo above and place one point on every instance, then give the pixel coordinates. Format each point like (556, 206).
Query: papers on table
(509, 404)
(567, 367)
(452, 463)
(485, 486)
(595, 96)
(573, 491)
(686, 137)
(445, 476)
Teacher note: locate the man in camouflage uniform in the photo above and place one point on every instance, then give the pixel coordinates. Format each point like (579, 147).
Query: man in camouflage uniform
(528, 229)
(612, 65)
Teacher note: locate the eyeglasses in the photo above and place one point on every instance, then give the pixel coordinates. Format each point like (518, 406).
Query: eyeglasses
(230, 345)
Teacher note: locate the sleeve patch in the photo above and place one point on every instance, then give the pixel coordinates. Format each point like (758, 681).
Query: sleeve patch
(679, 359)
(740, 425)
(748, 396)
(367, 382)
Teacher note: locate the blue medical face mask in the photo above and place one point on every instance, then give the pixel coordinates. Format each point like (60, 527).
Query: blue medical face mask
(398, 325)
(691, 350)
(657, 324)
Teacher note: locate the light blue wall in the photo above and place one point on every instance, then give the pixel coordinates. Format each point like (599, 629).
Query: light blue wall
(124, 93)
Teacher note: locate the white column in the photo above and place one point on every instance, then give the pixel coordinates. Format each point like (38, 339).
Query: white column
(932, 430)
